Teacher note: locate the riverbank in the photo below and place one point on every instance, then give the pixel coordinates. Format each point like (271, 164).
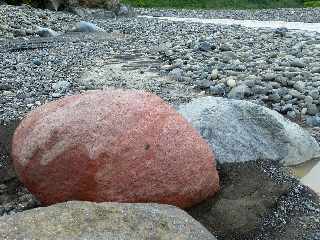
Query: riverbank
(178, 61)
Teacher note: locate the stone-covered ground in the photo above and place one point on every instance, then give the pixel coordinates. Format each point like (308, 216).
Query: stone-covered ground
(178, 61)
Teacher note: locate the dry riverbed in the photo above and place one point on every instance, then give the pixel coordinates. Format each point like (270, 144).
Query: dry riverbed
(177, 61)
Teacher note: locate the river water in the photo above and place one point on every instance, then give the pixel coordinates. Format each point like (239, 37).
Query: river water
(298, 26)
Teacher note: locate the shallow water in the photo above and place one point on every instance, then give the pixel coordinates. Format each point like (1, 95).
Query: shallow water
(312, 178)
(303, 169)
(300, 26)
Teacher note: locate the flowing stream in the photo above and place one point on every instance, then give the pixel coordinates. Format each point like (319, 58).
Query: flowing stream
(299, 26)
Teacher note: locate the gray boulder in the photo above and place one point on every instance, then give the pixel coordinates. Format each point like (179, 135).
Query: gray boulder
(241, 131)
(109, 221)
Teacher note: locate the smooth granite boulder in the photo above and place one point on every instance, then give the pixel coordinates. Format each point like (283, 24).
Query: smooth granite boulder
(241, 131)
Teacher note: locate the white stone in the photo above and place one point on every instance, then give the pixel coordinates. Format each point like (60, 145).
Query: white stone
(214, 74)
(231, 82)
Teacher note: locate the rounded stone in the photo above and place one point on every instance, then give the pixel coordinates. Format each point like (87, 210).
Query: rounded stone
(113, 145)
(231, 82)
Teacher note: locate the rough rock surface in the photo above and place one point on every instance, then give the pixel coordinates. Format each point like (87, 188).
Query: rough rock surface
(109, 221)
(242, 131)
(259, 200)
(114, 145)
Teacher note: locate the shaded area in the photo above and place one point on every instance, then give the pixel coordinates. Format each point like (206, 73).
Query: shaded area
(259, 200)
(14, 197)
(6, 133)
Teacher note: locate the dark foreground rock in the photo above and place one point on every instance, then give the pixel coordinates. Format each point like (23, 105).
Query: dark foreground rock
(104, 221)
(259, 200)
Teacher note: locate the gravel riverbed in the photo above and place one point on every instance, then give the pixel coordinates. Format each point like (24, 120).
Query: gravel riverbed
(178, 61)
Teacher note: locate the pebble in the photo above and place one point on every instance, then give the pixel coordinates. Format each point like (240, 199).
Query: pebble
(176, 74)
(8, 93)
(297, 63)
(296, 94)
(84, 26)
(204, 84)
(300, 86)
(291, 114)
(239, 92)
(62, 86)
(46, 32)
(206, 46)
(313, 121)
(224, 47)
(308, 100)
(269, 77)
(214, 74)
(275, 97)
(218, 90)
(231, 83)
(314, 94)
(36, 62)
(312, 109)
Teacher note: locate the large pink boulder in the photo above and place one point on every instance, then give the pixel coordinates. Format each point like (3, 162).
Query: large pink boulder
(115, 145)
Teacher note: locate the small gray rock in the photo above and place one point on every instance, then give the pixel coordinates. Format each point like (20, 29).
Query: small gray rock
(46, 32)
(292, 114)
(275, 97)
(297, 63)
(314, 94)
(239, 92)
(296, 94)
(308, 100)
(36, 62)
(315, 70)
(259, 90)
(176, 74)
(269, 76)
(218, 90)
(214, 74)
(206, 46)
(204, 84)
(312, 109)
(224, 47)
(61, 86)
(300, 86)
(313, 121)
(287, 108)
(87, 27)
